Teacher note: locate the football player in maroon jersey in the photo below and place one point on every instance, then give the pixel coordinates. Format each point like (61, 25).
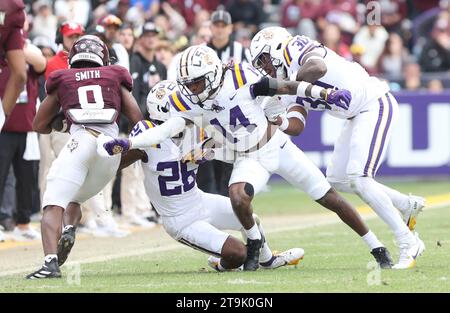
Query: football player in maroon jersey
(91, 94)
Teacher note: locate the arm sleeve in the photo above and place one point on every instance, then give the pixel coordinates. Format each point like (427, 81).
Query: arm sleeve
(155, 135)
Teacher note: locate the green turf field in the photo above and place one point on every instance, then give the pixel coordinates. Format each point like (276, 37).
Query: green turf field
(336, 260)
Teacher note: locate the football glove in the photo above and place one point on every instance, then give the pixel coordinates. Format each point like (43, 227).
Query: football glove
(340, 98)
(273, 108)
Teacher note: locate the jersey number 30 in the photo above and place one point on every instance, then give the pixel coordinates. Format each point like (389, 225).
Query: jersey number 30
(178, 169)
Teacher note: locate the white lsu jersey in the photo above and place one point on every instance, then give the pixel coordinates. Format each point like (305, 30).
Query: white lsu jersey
(236, 120)
(341, 74)
(169, 182)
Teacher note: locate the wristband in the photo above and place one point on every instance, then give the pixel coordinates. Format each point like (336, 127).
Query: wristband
(302, 89)
(315, 91)
(298, 115)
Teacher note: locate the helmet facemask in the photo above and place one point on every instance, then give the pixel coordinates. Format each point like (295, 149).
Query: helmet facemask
(267, 65)
(199, 89)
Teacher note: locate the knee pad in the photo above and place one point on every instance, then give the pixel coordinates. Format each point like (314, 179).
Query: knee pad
(357, 183)
(341, 186)
(248, 188)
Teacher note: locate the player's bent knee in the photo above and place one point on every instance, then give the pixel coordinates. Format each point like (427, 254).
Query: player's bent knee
(238, 196)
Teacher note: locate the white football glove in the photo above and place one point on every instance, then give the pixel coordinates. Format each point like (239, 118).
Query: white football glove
(273, 108)
(202, 151)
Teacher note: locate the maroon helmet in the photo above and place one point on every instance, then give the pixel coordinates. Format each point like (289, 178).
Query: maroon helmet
(91, 49)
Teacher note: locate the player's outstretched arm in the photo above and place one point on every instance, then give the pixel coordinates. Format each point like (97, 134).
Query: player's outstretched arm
(270, 86)
(44, 116)
(132, 156)
(17, 79)
(149, 137)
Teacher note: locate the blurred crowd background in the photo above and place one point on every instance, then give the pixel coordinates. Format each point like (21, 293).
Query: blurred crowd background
(412, 38)
(406, 42)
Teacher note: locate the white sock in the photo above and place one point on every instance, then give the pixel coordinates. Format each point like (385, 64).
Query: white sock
(405, 237)
(400, 200)
(265, 253)
(67, 227)
(49, 257)
(371, 240)
(253, 233)
(369, 191)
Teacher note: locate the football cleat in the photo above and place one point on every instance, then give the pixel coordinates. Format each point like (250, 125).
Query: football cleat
(65, 243)
(214, 261)
(409, 253)
(253, 250)
(50, 269)
(383, 257)
(416, 205)
(288, 257)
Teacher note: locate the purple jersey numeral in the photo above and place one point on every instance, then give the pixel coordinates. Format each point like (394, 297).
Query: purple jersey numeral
(175, 167)
(163, 180)
(136, 130)
(316, 104)
(236, 116)
(185, 174)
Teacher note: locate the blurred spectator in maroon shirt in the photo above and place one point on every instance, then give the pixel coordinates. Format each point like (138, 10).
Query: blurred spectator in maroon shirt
(189, 8)
(299, 16)
(292, 11)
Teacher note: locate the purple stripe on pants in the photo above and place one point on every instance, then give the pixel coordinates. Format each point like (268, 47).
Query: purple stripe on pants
(386, 129)
(374, 138)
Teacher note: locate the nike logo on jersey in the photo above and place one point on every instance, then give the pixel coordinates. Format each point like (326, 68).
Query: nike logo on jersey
(232, 97)
(282, 146)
